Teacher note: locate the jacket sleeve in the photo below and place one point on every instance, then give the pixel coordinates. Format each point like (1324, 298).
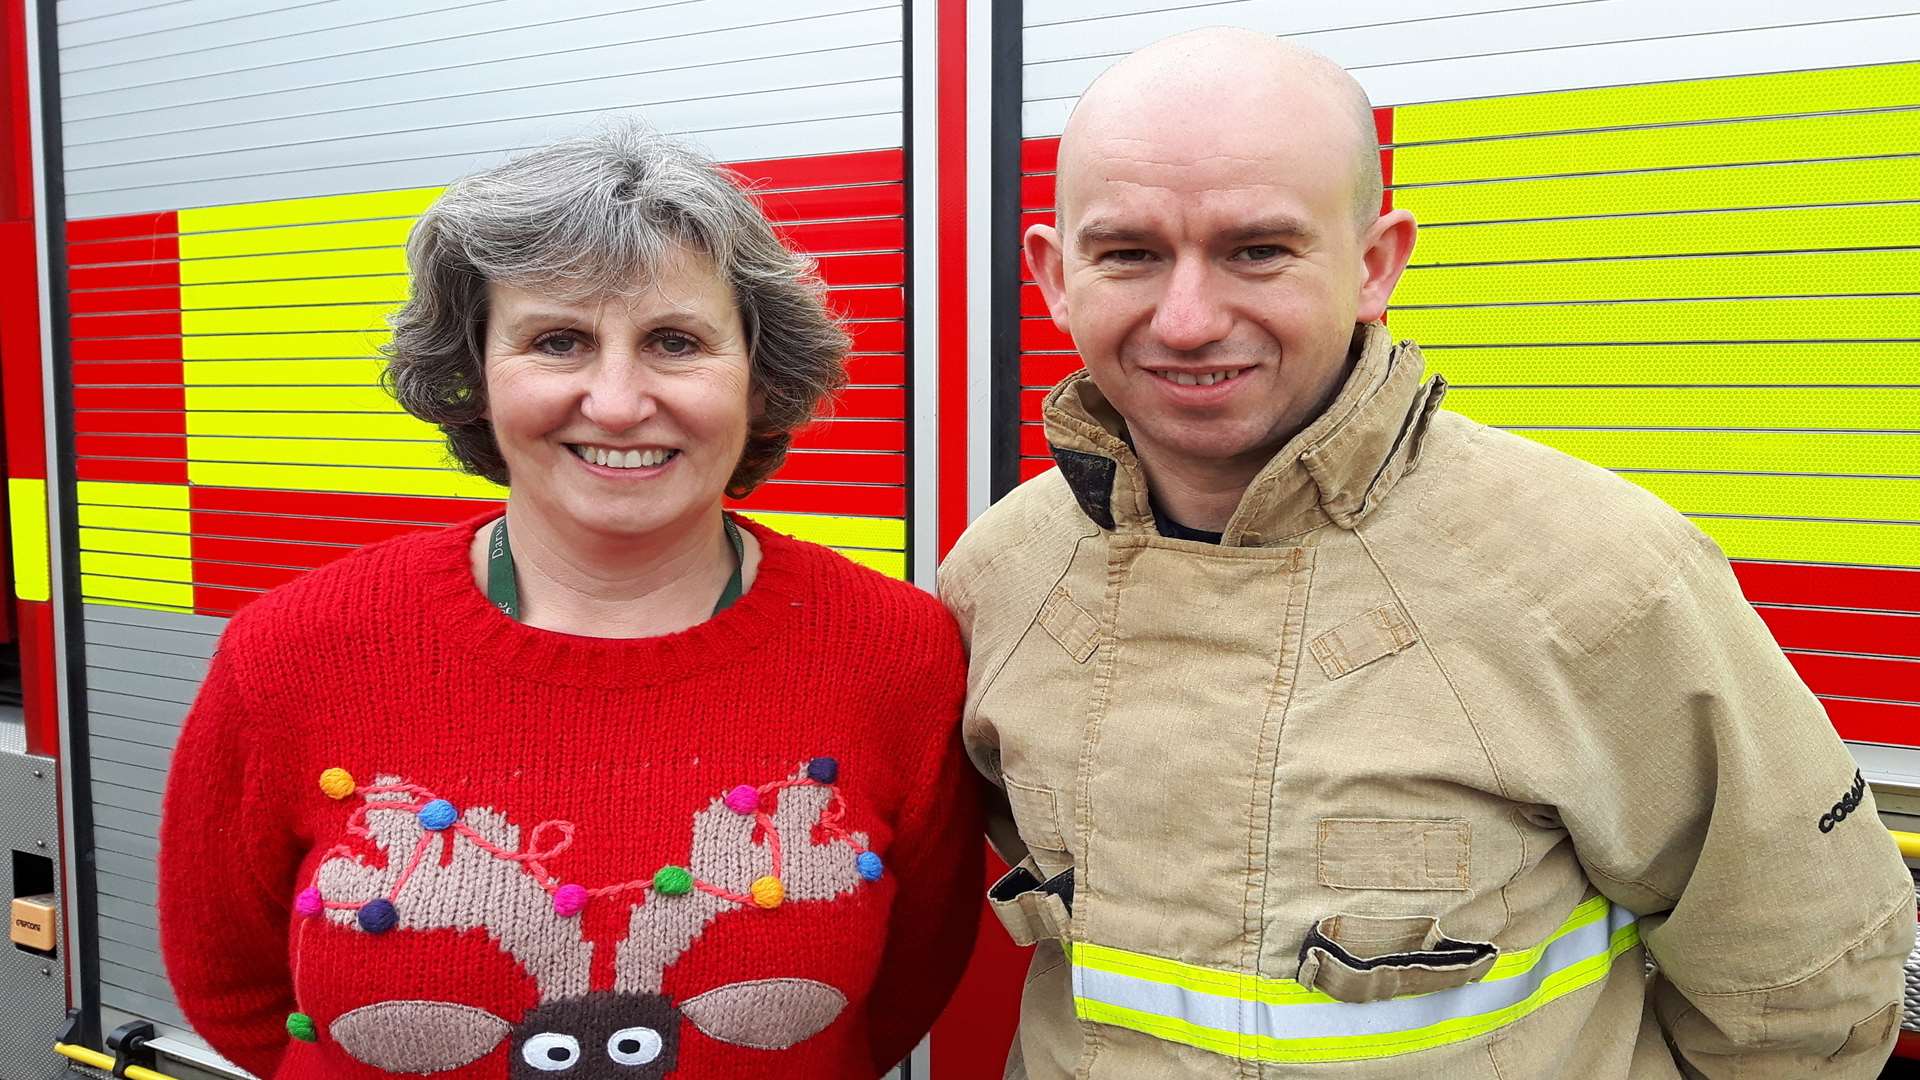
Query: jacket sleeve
(1722, 807)
(937, 862)
(226, 878)
(982, 744)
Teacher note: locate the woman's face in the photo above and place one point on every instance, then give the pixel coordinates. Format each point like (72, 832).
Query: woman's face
(625, 415)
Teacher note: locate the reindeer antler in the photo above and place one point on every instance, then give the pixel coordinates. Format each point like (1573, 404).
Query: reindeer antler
(730, 868)
(480, 885)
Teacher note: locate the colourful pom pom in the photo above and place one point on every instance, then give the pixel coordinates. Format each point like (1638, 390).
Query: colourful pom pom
(823, 770)
(308, 903)
(743, 800)
(300, 1026)
(438, 814)
(673, 881)
(336, 783)
(869, 866)
(568, 900)
(768, 892)
(378, 916)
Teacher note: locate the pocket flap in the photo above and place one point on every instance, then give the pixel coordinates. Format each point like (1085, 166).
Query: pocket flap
(1370, 958)
(1036, 813)
(1033, 910)
(1070, 625)
(1361, 640)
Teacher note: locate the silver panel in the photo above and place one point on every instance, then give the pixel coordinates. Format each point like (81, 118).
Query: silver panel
(590, 49)
(33, 988)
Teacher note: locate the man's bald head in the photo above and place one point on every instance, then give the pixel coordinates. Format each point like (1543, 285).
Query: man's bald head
(1218, 78)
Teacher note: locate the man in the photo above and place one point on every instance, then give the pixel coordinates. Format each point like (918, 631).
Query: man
(1344, 736)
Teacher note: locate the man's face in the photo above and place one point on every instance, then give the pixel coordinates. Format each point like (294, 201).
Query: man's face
(1211, 278)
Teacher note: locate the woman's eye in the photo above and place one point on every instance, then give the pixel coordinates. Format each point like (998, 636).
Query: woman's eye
(561, 344)
(677, 344)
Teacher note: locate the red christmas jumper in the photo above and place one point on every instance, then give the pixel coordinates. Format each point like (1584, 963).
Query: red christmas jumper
(406, 834)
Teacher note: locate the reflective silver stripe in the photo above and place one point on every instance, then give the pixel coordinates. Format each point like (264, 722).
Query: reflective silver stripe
(1312, 1020)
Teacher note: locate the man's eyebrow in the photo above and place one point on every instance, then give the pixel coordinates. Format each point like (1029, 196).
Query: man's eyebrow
(1108, 232)
(1271, 229)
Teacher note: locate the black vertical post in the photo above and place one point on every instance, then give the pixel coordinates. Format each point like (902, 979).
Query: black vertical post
(1004, 220)
(82, 907)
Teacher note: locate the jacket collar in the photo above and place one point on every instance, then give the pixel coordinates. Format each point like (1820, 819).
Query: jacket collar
(1335, 470)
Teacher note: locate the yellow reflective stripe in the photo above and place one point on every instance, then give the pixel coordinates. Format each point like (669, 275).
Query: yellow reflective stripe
(340, 345)
(1844, 542)
(388, 289)
(1797, 138)
(1826, 317)
(1860, 498)
(407, 202)
(891, 563)
(1273, 991)
(321, 425)
(136, 593)
(297, 266)
(276, 399)
(27, 524)
(1254, 1046)
(1690, 101)
(379, 454)
(1821, 273)
(1799, 183)
(325, 318)
(328, 236)
(146, 567)
(343, 478)
(135, 518)
(1724, 232)
(1783, 407)
(1855, 363)
(158, 496)
(1872, 453)
(837, 531)
(363, 372)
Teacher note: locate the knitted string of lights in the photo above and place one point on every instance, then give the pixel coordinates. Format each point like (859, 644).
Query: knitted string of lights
(440, 821)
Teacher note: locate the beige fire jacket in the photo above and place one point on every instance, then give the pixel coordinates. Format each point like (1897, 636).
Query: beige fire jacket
(1411, 774)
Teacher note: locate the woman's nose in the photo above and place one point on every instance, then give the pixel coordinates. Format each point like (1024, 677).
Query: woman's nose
(619, 394)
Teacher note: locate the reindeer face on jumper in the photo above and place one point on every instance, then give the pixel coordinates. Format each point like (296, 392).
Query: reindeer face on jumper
(754, 850)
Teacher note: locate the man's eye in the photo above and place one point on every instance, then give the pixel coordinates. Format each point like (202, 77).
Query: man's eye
(1262, 252)
(563, 343)
(1129, 255)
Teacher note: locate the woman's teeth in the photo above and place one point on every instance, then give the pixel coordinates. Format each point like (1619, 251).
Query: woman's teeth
(623, 459)
(1187, 378)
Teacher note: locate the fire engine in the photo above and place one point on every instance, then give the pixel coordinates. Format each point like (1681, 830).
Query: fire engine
(1676, 238)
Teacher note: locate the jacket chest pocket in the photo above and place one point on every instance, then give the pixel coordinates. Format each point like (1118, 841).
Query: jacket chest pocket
(1396, 855)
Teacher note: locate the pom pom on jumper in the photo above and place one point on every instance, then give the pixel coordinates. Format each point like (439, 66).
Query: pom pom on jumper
(336, 783)
(309, 903)
(378, 916)
(673, 881)
(743, 800)
(300, 1026)
(870, 866)
(569, 900)
(823, 770)
(768, 892)
(438, 814)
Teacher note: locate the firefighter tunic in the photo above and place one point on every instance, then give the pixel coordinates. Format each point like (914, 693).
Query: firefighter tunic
(1412, 773)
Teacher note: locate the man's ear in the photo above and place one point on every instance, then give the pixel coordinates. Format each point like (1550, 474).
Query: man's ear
(1385, 248)
(1048, 264)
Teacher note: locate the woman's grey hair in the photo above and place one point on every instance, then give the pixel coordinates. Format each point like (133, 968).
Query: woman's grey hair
(594, 217)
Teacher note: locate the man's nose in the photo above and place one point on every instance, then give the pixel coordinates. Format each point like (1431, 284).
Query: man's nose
(1190, 316)
(619, 393)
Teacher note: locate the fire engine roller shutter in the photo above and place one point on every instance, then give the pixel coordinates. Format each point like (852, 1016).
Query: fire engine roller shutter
(240, 177)
(1677, 240)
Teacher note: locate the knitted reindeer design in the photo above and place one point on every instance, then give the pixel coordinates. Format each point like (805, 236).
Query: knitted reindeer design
(753, 849)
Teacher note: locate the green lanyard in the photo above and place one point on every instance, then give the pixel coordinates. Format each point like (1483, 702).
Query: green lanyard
(503, 586)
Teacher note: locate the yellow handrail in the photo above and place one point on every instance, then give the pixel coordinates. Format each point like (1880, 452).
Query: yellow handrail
(105, 1061)
(1909, 843)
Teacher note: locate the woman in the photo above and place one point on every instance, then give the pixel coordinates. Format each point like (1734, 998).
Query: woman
(613, 784)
